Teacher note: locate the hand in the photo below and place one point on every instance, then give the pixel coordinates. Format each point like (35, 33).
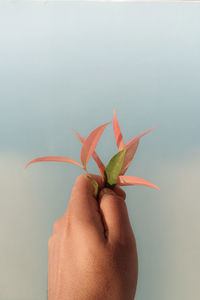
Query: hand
(92, 251)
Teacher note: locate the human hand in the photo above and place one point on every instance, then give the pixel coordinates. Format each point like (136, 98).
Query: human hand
(92, 251)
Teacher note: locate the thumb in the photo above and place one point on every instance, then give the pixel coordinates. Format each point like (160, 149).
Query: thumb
(115, 215)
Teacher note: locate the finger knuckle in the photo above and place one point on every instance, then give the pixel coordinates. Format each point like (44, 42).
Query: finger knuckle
(67, 223)
(58, 224)
(56, 227)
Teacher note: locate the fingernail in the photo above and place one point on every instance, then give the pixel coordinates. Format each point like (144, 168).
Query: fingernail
(106, 191)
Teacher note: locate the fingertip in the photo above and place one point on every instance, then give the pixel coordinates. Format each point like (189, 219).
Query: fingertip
(82, 202)
(106, 191)
(82, 179)
(98, 179)
(115, 214)
(83, 183)
(119, 191)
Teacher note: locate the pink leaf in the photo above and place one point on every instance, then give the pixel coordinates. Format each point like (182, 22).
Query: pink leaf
(54, 158)
(90, 143)
(95, 156)
(130, 152)
(139, 136)
(78, 136)
(131, 148)
(99, 163)
(117, 132)
(133, 180)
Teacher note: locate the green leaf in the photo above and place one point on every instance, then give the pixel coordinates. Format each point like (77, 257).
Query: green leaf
(96, 187)
(113, 168)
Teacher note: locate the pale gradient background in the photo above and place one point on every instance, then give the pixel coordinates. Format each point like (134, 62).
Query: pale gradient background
(70, 64)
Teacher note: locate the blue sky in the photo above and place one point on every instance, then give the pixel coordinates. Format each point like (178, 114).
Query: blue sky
(70, 64)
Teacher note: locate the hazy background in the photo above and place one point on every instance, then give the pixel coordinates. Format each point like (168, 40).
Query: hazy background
(70, 64)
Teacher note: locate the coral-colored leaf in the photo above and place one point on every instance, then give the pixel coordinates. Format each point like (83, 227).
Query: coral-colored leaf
(131, 148)
(133, 180)
(139, 136)
(99, 163)
(54, 158)
(78, 136)
(117, 132)
(130, 152)
(95, 156)
(90, 143)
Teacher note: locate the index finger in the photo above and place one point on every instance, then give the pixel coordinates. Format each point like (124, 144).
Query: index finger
(83, 205)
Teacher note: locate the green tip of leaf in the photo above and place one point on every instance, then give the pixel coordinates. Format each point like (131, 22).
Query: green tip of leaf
(113, 168)
(96, 187)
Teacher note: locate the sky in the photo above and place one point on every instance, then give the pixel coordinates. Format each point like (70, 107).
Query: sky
(68, 65)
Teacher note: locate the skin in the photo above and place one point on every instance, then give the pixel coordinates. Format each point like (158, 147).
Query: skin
(92, 251)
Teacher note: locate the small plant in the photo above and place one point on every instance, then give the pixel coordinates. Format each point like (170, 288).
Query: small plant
(114, 172)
